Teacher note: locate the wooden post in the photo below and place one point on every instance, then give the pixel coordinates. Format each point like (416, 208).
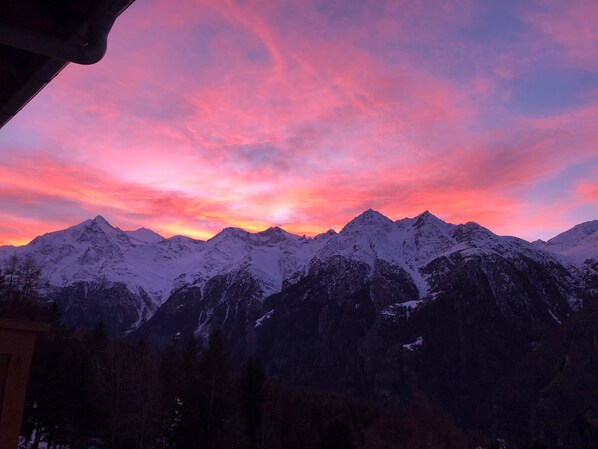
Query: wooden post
(17, 339)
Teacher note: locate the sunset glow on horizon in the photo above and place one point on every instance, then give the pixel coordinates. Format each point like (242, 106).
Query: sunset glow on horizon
(302, 114)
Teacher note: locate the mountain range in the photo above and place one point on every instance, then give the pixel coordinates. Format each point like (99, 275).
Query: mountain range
(150, 268)
(378, 310)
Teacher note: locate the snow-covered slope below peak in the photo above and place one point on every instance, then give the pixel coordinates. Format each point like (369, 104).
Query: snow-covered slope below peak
(143, 260)
(575, 235)
(181, 244)
(271, 256)
(409, 243)
(90, 242)
(97, 232)
(361, 239)
(577, 244)
(584, 249)
(478, 239)
(95, 251)
(414, 242)
(144, 235)
(424, 238)
(366, 222)
(275, 235)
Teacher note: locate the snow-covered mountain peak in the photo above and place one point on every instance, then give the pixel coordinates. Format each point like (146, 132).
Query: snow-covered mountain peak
(101, 220)
(367, 237)
(98, 222)
(180, 244)
(275, 235)
(424, 226)
(181, 240)
(97, 232)
(472, 233)
(231, 233)
(99, 228)
(325, 235)
(426, 219)
(366, 221)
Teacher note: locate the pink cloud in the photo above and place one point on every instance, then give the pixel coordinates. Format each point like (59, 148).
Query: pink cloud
(588, 192)
(257, 113)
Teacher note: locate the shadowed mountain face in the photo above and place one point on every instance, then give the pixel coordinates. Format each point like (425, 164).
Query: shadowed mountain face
(379, 310)
(343, 327)
(551, 394)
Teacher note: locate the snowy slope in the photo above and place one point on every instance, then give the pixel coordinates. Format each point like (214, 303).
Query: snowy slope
(143, 235)
(577, 244)
(96, 251)
(144, 261)
(271, 256)
(412, 243)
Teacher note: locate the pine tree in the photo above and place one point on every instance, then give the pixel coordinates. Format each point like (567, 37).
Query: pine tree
(186, 403)
(214, 388)
(20, 281)
(253, 395)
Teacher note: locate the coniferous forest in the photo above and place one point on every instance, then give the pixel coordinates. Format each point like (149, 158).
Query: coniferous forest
(90, 391)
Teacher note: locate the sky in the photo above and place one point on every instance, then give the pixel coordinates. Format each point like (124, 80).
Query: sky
(303, 114)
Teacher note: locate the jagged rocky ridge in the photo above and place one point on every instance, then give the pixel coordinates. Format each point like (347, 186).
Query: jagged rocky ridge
(140, 270)
(378, 310)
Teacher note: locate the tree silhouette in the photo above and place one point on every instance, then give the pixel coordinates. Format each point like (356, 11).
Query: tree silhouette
(214, 388)
(253, 395)
(20, 282)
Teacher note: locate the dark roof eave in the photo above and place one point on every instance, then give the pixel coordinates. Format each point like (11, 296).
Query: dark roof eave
(97, 26)
(30, 89)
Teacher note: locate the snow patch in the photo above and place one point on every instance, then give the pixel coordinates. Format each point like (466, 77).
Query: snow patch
(576, 245)
(554, 317)
(260, 321)
(414, 345)
(412, 304)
